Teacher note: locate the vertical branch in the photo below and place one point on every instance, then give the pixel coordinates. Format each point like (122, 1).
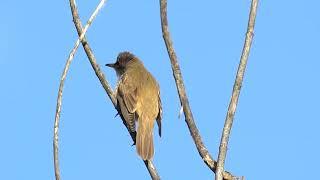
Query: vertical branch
(203, 152)
(76, 20)
(60, 92)
(236, 91)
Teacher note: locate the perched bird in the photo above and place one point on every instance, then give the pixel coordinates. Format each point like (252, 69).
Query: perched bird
(138, 100)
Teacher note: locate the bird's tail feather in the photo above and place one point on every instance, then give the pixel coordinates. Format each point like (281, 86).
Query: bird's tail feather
(144, 139)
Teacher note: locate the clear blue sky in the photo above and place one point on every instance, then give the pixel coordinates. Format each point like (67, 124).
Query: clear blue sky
(276, 129)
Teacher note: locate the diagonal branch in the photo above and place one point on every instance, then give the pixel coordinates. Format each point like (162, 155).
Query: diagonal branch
(203, 152)
(60, 92)
(149, 165)
(236, 91)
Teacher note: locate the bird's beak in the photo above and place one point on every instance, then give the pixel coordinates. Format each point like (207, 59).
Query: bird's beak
(110, 65)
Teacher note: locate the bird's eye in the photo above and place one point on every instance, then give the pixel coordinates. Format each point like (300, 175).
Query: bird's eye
(117, 64)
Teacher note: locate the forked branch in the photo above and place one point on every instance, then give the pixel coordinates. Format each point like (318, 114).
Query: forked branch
(182, 93)
(149, 165)
(60, 92)
(236, 91)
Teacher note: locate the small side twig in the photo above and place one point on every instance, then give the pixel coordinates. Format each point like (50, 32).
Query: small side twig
(76, 19)
(235, 92)
(60, 92)
(203, 152)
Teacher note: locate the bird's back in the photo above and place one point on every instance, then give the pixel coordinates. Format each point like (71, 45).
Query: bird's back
(147, 106)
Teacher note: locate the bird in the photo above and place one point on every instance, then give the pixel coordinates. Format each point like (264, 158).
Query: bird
(138, 101)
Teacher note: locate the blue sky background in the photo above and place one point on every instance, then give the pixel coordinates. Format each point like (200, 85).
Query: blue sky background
(276, 128)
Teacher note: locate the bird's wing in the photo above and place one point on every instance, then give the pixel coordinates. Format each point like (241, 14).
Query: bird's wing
(129, 93)
(159, 116)
(126, 115)
(127, 101)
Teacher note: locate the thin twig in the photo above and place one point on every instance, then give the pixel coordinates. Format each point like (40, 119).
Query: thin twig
(60, 92)
(182, 93)
(236, 91)
(76, 19)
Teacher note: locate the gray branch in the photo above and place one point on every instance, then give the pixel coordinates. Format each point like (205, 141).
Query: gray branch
(235, 92)
(60, 92)
(203, 152)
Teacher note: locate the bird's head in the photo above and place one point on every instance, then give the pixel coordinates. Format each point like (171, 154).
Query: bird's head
(121, 63)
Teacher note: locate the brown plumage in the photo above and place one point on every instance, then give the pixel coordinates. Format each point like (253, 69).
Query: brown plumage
(138, 98)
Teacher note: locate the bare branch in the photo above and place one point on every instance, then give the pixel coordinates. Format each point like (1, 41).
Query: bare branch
(182, 93)
(149, 165)
(90, 54)
(60, 92)
(236, 91)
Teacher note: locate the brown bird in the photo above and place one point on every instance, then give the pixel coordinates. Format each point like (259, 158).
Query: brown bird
(138, 99)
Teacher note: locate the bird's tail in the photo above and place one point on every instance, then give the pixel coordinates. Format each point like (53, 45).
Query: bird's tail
(144, 139)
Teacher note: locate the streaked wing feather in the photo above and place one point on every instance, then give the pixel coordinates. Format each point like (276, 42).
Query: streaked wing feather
(128, 117)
